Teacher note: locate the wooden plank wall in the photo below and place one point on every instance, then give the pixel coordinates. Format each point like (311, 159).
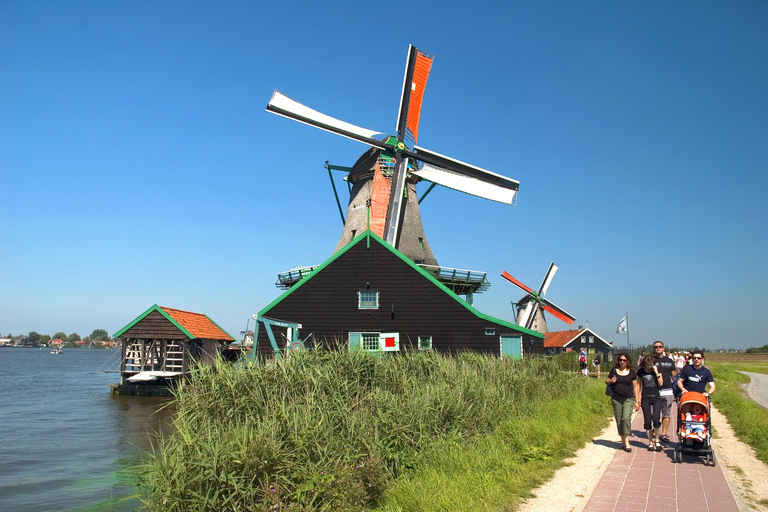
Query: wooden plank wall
(327, 306)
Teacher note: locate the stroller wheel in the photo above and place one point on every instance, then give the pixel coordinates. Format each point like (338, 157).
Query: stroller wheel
(709, 460)
(678, 456)
(714, 460)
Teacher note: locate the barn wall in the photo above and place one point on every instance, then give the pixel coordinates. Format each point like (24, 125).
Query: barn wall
(155, 326)
(327, 306)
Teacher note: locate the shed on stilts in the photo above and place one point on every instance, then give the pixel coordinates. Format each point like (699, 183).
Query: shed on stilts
(161, 344)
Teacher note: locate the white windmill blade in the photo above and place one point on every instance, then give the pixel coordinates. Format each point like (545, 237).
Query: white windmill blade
(527, 314)
(467, 184)
(548, 277)
(282, 105)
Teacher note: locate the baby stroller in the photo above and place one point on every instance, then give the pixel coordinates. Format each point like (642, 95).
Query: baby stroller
(694, 428)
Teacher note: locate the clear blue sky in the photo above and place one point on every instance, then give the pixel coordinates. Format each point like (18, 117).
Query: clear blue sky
(138, 165)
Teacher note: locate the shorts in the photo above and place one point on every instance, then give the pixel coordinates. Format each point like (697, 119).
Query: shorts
(582, 365)
(666, 405)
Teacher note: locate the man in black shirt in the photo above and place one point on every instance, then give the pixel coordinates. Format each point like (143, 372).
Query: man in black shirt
(667, 370)
(696, 376)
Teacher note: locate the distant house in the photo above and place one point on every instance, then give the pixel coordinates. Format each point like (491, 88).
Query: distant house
(5, 342)
(576, 339)
(368, 294)
(56, 342)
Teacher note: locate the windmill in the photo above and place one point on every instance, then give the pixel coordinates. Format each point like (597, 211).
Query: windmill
(383, 180)
(530, 308)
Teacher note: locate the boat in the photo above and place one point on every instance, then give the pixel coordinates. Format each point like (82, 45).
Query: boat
(55, 351)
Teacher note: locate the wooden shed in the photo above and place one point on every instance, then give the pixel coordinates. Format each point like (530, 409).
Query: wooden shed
(161, 343)
(576, 339)
(368, 294)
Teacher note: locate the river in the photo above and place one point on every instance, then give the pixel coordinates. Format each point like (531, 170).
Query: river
(65, 442)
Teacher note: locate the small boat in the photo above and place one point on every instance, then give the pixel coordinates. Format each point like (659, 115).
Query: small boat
(57, 350)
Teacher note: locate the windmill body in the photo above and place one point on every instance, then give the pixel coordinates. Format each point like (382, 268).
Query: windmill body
(530, 309)
(383, 196)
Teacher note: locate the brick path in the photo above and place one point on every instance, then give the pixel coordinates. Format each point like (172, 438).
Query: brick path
(643, 480)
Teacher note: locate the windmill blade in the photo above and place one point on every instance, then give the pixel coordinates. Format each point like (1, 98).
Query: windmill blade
(532, 316)
(527, 314)
(282, 105)
(557, 311)
(417, 68)
(548, 277)
(514, 281)
(464, 177)
(395, 207)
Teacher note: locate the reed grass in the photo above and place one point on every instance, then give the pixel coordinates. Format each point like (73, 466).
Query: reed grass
(334, 430)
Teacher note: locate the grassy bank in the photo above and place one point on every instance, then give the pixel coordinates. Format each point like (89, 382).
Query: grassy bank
(347, 431)
(749, 420)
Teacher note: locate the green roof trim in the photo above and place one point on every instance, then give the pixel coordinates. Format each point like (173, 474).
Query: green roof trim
(157, 308)
(370, 234)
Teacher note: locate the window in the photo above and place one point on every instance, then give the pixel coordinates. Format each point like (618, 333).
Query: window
(368, 341)
(490, 331)
(583, 340)
(591, 339)
(368, 299)
(425, 342)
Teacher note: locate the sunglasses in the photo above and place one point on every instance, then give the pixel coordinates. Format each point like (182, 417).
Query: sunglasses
(698, 358)
(623, 360)
(658, 346)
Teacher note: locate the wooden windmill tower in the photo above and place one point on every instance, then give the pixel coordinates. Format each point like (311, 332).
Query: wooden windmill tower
(530, 309)
(383, 195)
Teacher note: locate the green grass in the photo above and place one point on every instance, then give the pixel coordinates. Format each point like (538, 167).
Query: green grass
(749, 420)
(496, 471)
(348, 431)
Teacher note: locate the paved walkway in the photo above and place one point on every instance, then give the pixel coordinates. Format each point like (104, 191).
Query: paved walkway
(643, 480)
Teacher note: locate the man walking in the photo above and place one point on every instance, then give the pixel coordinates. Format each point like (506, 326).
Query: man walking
(667, 369)
(694, 377)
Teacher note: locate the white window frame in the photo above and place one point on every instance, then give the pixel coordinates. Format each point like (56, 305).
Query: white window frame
(429, 338)
(591, 339)
(360, 304)
(371, 338)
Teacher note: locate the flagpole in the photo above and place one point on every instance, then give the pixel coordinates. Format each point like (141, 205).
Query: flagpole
(629, 347)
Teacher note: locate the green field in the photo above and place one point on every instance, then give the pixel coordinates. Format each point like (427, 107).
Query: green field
(749, 420)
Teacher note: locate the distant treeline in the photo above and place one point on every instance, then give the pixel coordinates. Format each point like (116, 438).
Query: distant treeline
(35, 337)
(758, 350)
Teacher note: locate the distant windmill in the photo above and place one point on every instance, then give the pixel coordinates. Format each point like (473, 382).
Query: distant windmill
(383, 181)
(530, 308)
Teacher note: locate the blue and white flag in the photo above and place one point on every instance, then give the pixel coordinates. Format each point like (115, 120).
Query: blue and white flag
(622, 325)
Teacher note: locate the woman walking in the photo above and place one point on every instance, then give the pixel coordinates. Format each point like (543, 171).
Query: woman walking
(647, 385)
(624, 397)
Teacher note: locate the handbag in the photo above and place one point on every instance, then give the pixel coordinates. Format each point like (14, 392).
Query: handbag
(609, 389)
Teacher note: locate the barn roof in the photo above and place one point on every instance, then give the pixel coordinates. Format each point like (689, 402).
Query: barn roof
(370, 237)
(561, 339)
(194, 325)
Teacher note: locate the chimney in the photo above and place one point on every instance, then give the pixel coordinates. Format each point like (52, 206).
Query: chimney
(580, 327)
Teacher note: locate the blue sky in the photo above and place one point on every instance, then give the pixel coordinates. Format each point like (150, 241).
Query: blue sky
(138, 165)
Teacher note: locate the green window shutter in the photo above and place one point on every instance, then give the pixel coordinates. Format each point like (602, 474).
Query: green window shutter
(354, 341)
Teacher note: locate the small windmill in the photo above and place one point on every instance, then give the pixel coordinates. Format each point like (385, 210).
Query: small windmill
(384, 178)
(530, 308)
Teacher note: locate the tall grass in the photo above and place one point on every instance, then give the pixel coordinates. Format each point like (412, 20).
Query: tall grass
(333, 430)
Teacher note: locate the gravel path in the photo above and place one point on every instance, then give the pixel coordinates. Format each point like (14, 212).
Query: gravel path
(571, 487)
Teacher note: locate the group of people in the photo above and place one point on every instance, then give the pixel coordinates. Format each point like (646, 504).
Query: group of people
(650, 388)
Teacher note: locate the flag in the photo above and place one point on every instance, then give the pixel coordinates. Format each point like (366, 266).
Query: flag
(622, 325)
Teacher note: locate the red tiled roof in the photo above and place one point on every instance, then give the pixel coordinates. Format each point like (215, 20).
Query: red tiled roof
(558, 339)
(199, 325)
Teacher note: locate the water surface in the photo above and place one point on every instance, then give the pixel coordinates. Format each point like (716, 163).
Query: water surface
(65, 442)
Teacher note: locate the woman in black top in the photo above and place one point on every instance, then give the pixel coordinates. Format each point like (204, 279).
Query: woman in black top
(625, 397)
(647, 386)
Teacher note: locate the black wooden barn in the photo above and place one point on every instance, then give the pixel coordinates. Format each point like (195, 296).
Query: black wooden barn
(369, 289)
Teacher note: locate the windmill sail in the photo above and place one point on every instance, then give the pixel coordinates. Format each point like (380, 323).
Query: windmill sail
(413, 91)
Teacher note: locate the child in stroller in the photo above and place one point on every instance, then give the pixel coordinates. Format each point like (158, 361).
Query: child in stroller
(694, 426)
